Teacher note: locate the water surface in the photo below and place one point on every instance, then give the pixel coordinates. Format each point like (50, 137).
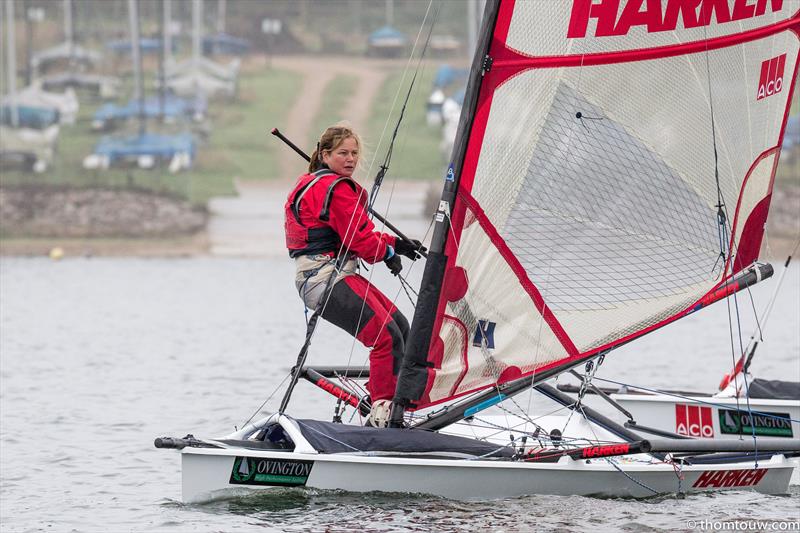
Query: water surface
(99, 356)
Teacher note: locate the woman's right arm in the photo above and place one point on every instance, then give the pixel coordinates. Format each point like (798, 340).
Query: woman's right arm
(350, 220)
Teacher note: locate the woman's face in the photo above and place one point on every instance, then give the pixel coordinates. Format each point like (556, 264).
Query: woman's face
(344, 158)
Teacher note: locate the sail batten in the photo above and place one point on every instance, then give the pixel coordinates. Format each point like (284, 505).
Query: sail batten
(589, 178)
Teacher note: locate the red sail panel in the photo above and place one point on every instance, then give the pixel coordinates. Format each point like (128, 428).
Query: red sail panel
(588, 200)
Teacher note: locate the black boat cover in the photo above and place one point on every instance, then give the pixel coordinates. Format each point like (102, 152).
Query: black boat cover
(774, 389)
(328, 437)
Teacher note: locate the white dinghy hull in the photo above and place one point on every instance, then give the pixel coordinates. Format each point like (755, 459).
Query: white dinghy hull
(210, 473)
(711, 417)
(717, 418)
(207, 475)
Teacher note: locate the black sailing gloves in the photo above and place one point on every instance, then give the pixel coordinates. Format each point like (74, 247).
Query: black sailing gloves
(409, 248)
(392, 261)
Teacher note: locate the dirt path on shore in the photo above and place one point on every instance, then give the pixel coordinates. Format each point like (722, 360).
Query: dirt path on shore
(251, 224)
(317, 73)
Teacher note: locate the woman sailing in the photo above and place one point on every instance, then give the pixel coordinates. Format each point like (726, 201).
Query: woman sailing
(327, 231)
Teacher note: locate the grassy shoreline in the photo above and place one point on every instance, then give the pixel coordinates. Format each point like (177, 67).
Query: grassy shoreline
(171, 247)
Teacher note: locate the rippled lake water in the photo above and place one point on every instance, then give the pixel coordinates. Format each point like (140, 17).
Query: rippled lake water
(99, 356)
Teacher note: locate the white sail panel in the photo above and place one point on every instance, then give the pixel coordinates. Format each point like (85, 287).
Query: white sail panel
(668, 110)
(592, 330)
(539, 27)
(515, 326)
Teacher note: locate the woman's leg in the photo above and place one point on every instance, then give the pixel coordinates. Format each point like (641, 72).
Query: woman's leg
(364, 312)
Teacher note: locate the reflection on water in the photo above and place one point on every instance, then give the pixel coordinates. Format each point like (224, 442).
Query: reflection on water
(316, 510)
(99, 356)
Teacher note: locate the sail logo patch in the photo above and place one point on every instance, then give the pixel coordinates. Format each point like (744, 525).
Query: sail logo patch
(271, 472)
(484, 334)
(694, 421)
(617, 17)
(765, 424)
(730, 478)
(771, 80)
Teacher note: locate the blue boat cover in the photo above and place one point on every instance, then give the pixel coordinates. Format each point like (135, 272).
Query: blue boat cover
(152, 144)
(774, 389)
(386, 33)
(173, 106)
(447, 75)
(37, 118)
(147, 46)
(329, 437)
(223, 43)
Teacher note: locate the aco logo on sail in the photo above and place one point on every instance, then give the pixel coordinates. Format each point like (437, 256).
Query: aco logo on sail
(771, 80)
(617, 17)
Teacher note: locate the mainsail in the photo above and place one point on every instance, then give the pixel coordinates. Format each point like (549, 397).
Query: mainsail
(613, 170)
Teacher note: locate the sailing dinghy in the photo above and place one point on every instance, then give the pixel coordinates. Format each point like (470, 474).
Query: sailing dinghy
(612, 174)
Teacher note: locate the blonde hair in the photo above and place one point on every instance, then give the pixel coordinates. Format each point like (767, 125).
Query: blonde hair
(331, 139)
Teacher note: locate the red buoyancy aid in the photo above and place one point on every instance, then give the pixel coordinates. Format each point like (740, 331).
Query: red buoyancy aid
(317, 221)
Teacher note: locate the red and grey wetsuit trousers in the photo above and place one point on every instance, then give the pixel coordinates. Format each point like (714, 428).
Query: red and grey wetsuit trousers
(363, 311)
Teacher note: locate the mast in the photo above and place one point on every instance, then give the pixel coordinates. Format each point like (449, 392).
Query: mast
(167, 37)
(162, 78)
(472, 26)
(221, 10)
(136, 55)
(11, 50)
(28, 42)
(197, 18)
(68, 30)
(389, 12)
(413, 371)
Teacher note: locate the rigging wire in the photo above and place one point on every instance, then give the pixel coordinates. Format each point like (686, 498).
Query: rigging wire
(382, 172)
(260, 407)
(590, 370)
(771, 303)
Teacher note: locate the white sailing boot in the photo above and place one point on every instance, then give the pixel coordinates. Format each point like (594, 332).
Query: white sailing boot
(379, 414)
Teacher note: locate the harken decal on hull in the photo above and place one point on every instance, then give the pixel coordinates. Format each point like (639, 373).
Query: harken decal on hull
(730, 478)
